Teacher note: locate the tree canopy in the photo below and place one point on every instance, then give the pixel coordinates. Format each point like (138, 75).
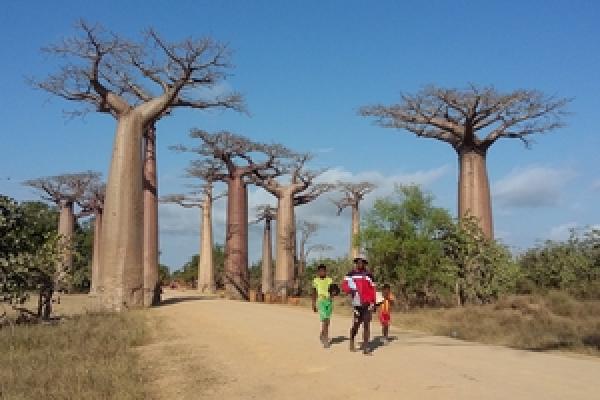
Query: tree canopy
(473, 117)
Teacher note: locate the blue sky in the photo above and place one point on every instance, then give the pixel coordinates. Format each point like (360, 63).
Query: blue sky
(304, 68)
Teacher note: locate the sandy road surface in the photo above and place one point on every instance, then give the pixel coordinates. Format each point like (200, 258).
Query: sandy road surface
(234, 350)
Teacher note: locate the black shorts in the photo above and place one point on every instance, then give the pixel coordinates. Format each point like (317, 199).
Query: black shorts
(362, 314)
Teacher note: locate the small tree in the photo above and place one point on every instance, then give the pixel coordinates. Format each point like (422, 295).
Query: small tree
(29, 257)
(266, 213)
(484, 269)
(202, 199)
(92, 203)
(401, 236)
(65, 191)
(353, 194)
(471, 121)
(307, 230)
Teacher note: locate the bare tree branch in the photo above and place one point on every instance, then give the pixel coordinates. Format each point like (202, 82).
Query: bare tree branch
(111, 73)
(474, 117)
(265, 212)
(66, 187)
(353, 194)
(224, 155)
(184, 200)
(312, 193)
(92, 200)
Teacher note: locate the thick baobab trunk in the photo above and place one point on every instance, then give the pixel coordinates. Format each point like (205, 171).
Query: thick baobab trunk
(236, 241)
(284, 263)
(66, 224)
(267, 260)
(206, 268)
(96, 264)
(354, 232)
(151, 284)
(474, 189)
(122, 231)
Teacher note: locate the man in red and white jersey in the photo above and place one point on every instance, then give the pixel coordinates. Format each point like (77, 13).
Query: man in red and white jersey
(359, 284)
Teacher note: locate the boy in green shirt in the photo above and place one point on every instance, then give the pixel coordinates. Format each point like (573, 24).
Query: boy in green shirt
(321, 301)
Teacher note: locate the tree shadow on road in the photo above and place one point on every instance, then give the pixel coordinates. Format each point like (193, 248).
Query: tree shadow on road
(176, 300)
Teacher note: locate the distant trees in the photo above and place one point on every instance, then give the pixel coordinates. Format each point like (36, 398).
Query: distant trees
(65, 191)
(301, 188)
(235, 159)
(572, 265)
(188, 272)
(307, 230)
(92, 203)
(471, 120)
(352, 194)
(267, 214)
(202, 199)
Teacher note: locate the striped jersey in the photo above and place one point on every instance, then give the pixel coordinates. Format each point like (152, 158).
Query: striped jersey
(362, 282)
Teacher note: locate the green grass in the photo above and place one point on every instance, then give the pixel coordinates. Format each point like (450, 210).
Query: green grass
(85, 357)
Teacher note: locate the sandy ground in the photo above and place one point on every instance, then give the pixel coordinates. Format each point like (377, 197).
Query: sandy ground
(211, 348)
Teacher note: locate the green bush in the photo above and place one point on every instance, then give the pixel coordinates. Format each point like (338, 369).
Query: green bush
(572, 265)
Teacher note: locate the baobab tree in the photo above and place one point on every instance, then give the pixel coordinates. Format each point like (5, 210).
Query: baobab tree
(353, 194)
(64, 191)
(92, 203)
(137, 83)
(471, 120)
(266, 213)
(301, 189)
(237, 159)
(203, 199)
(307, 230)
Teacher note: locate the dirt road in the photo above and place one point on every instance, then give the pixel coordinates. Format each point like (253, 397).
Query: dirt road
(234, 350)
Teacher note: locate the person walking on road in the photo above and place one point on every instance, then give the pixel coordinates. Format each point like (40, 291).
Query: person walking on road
(322, 301)
(360, 285)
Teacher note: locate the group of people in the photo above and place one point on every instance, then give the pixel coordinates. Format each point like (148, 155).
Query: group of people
(360, 286)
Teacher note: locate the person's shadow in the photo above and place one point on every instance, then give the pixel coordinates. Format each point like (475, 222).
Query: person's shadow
(338, 340)
(380, 341)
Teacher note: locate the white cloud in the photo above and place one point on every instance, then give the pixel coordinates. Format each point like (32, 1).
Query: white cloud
(421, 177)
(531, 187)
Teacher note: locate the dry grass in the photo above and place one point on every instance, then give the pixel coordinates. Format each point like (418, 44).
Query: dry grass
(555, 321)
(84, 357)
(551, 322)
